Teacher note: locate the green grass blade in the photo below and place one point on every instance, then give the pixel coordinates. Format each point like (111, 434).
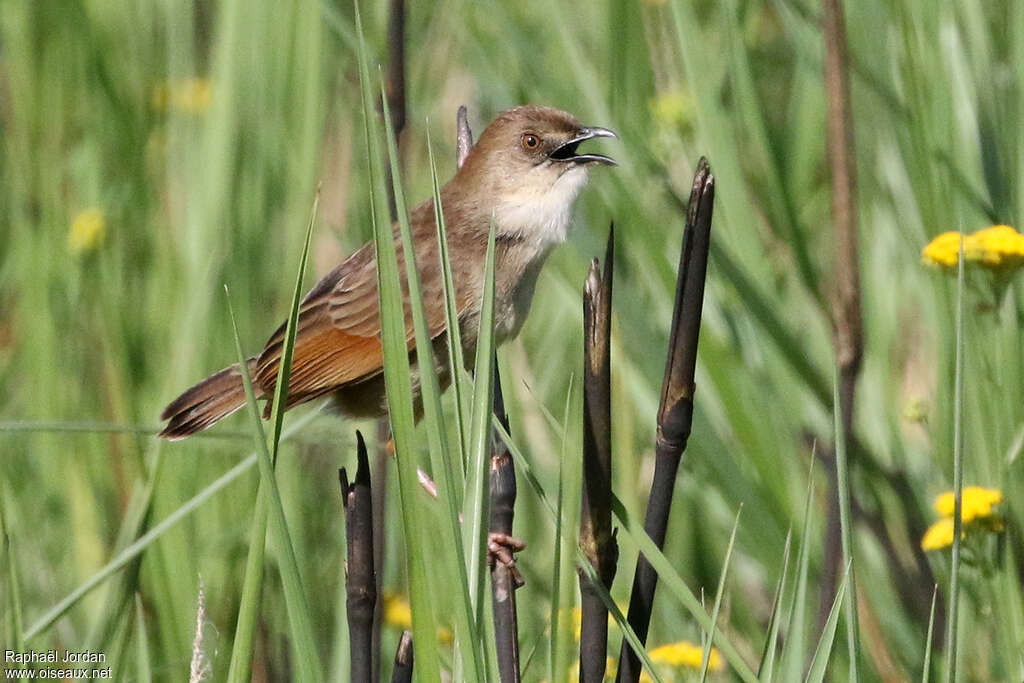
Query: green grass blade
(952, 634)
(144, 665)
(252, 591)
(476, 504)
(634, 531)
(819, 663)
(467, 626)
(926, 668)
(525, 470)
(559, 644)
(794, 645)
(130, 552)
(456, 361)
(284, 369)
(718, 598)
(252, 586)
(397, 385)
(846, 529)
(307, 657)
(766, 667)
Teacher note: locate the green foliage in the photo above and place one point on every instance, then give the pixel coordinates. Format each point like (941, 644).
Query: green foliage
(200, 131)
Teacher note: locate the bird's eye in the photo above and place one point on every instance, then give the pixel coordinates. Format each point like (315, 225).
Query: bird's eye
(530, 141)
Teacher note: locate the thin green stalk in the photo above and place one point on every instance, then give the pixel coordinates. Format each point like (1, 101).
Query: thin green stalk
(475, 511)
(526, 470)
(307, 657)
(455, 358)
(718, 598)
(846, 530)
(130, 552)
(819, 663)
(397, 384)
(766, 667)
(467, 626)
(953, 628)
(925, 669)
(252, 590)
(252, 586)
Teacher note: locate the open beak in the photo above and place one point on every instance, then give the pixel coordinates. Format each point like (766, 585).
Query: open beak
(567, 150)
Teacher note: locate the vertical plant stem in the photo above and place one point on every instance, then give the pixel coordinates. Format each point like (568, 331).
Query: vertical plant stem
(504, 580)
(952, 640)
(846, 312)
(361, 573)
(675, 413)
(596, 537)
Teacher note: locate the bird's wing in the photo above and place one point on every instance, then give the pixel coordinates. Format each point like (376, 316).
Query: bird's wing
(338, 335)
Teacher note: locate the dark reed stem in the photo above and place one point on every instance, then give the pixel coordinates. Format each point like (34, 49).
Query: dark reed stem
(360, 572)
(504, 579)
(675, 412)
(596, 536)
(402, 673)
(848, 327)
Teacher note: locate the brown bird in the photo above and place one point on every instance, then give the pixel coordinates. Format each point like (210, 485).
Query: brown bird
(525, 172)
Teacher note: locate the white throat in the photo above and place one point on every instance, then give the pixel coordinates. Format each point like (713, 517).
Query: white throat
(543, 217)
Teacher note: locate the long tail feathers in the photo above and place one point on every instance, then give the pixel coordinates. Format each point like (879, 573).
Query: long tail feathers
(214, 398)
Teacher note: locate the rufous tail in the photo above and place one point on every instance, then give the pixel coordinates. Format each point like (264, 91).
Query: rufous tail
(214, 398)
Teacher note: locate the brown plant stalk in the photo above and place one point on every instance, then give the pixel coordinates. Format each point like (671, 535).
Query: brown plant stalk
(597, 538)
(675, 412)
(360, 572)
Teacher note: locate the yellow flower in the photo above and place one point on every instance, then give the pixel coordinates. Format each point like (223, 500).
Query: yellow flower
(943, 251)
(999, 247)
(685, 654)
(188, 95)
(977, 503)
(976, 512)
(939, 535)
(398, 614)
(87, 231)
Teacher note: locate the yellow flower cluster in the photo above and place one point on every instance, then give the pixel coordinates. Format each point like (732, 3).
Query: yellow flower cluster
(187, 95)
(87, 231)
(999, 247)
(976, 511)
(683, 655)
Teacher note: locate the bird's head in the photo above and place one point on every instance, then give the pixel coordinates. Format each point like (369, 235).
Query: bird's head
(526, 167)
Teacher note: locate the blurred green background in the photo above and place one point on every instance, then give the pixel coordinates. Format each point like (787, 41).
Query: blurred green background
(154, 151)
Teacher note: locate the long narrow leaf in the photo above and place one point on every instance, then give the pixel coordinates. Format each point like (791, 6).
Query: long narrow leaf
(766, 667)
(524, 468)
(252, 585)
(455, 358)
(819, 663)
(952, 632)
(397, 383)
(794, 646)
(130, 552)
(718, 597)
(467, 627)
(307, 657)
(475, 511)
(925, 669)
